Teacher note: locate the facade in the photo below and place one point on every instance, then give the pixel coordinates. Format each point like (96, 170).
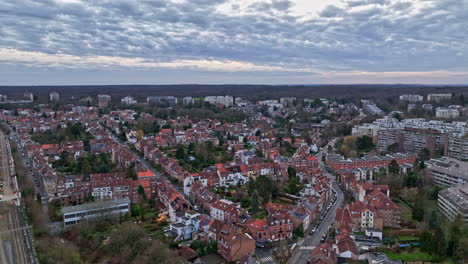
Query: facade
(365, 130)
(110, 208)
(103, 100)
(29, 96)
(458, 147)
(54, 97)
(162, 100)
(224, 100)
(338, 162)
(412, 98)
(274, 227)
(185, 225)
(438, 97)
(443, 112)
(128, 100)
(412, 140)
(447, 172)
(453, 202)
(188, 100)
(233, 244)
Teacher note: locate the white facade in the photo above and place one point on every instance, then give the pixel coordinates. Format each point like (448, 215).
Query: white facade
(442, 112)
(439, 97)
(413, 98)
(128, 100)
(54, 97)
(75, 214)
(224, 100)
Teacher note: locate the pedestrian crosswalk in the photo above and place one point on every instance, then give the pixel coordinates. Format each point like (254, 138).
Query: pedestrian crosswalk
(300, 243)
(267, 260)
(306, 247)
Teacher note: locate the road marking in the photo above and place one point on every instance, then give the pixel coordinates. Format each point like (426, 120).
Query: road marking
(267, 259)
(307, 248)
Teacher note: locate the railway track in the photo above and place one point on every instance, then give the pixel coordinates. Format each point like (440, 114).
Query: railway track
(13, 238)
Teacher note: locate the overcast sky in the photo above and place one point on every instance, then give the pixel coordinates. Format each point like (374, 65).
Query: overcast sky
(233, 41)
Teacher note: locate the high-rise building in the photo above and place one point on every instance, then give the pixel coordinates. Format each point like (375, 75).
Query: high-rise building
(54, 97)
(104, 100)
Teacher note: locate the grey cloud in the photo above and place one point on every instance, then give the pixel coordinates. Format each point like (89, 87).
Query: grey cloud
(378, 37)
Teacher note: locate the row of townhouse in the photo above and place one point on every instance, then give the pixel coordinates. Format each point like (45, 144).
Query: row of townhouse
(373, 208)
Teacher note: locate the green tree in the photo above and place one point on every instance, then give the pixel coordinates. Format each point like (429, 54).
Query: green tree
(141, 192)
(424, 154)
(264, 187)
(418, 210)
(291, 172)
(412, 180)
(254, 201)
(364, 144)
(433, 219)
(393, 167)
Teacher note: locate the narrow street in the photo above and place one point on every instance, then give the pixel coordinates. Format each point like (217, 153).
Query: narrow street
(302, 252)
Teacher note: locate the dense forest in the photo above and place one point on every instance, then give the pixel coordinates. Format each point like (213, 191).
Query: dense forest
(246, 91)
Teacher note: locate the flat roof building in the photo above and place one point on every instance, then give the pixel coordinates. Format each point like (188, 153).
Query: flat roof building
(84, 212)
(448, 172)
(454, 201)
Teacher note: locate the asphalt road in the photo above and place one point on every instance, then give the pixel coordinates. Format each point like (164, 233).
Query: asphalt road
(302, 252)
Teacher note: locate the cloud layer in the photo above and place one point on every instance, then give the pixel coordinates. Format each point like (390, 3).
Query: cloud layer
(345, 40)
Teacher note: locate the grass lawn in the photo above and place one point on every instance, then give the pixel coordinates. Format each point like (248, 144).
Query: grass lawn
(407, 238)
(413, 256)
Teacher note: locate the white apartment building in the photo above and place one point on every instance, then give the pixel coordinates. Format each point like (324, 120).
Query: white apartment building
(443, 112)
(447, 172)
(89, 211)
(438, 97)
(412, 98)
(224, 100)
(128, 100)
(453, 202)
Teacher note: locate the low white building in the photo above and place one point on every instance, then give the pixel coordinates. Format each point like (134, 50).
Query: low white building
(90, 211)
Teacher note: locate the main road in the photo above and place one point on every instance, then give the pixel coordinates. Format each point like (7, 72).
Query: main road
(302, 252)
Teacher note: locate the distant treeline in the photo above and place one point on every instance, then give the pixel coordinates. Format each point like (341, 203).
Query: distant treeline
(257, 92)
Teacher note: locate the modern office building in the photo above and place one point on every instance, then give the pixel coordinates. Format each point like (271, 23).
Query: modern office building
(90, 211)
